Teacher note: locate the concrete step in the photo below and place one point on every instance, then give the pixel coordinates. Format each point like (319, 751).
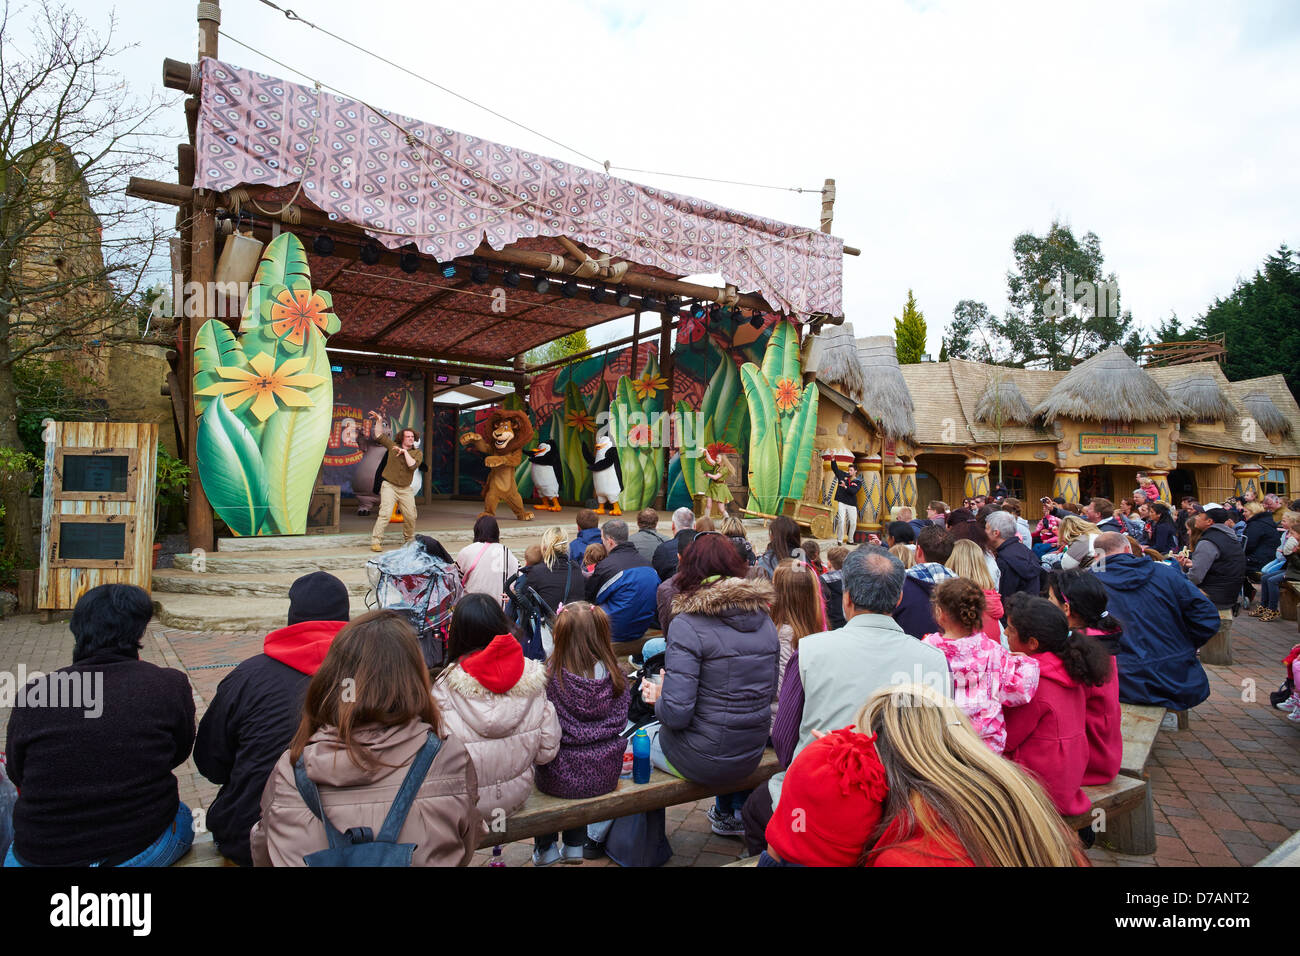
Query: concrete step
(174, 581)
(222, 613)
(293, 563)
(511, 532)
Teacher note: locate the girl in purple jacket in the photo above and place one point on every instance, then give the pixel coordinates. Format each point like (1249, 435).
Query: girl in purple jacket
(590, 695)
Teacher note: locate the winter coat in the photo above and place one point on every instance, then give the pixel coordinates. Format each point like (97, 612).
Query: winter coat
(250, 723)
(1164, 536)
(785, 635)
(1019, 569)
(578, 546)
(561, 583)
(721, 667)
(665, 560)
(443, 822)
(993, 614)
(499, 709)
(592, 717)
(1263, 538)
(1048, 736)
(623, 557)
(646, 542)
(986, 679)
(915, 614)
(1165, 619)
(833, 588)
(628, 597)
(94, 776)
(1104, 718)
(664, 595)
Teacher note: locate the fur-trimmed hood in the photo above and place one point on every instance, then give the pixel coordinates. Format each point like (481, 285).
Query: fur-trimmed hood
(732, 599)
(487, 714)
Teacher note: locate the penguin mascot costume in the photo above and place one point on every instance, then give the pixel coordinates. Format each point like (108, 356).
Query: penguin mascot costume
(546, 469)
(606, 476)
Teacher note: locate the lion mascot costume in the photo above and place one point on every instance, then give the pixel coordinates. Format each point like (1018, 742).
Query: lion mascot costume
(508, 433)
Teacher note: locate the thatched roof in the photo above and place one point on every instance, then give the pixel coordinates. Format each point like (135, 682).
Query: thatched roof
(886, 398)
(1003, 404)
(1109, 387)
(1203, 399)
(840, 365)
(1267, 416)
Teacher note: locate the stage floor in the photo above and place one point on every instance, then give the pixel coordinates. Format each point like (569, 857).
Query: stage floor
(452, 515)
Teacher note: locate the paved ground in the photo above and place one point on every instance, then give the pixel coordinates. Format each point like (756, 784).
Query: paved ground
(1226, 790)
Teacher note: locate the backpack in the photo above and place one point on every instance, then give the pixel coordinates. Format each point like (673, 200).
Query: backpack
(639, 713)
(359, 846)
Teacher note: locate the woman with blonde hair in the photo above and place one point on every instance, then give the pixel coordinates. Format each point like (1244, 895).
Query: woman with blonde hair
(797, 611)
(967, 561)
(555, 578)
(734, 529)
(1076, 539)
(904, 554)
(910, 784)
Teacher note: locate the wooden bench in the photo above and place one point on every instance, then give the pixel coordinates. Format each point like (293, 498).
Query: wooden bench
(1289, 600)
(543, 814)
(204, 853)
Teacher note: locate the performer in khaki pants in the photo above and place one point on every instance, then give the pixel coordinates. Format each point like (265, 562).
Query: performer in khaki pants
(396, 489)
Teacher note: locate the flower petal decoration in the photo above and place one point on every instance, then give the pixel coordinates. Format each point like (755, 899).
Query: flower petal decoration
(648, 384)
(294, 311)
(264, 384)
(580, 421)
(787, 394)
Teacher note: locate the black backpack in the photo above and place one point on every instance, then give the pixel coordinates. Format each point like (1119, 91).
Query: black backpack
(639, 713)
(359, 846)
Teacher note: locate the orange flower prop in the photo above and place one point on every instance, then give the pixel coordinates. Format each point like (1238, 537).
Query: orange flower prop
(264, 385)
(787, 394)
(638, 436)
(581, 421)
(647, 385)
(294, 311)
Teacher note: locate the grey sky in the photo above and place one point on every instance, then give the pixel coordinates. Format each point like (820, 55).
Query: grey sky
(1169, 129)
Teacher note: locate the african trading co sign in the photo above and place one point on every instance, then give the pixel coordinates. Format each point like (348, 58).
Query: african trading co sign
(1094, 444)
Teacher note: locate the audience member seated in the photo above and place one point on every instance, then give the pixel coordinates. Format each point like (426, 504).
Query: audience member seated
(624, 585)
(797, 611)
(647, 538)
(588, 533)
(368, 722)
(494, 700)
(967, 561)
(914, 613)
(783, 543)
(714, 703)
(665, 556)
(487, 564)
(1019, 570)
(91, 747)
(833, 586)
(910, 784)
(555, 577)
(258, 706)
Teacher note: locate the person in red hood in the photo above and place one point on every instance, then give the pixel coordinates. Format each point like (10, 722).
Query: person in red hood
(258, 705)
(1048, 736)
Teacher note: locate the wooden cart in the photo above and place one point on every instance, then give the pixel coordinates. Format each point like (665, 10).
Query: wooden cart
(815, 519)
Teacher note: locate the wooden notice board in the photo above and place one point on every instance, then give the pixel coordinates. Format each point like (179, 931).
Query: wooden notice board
(97, 513)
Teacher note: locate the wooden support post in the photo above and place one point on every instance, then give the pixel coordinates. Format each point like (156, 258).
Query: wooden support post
(828, 205)
(666, 370)
(428, 438)
(1132, 833)
(1218, 650)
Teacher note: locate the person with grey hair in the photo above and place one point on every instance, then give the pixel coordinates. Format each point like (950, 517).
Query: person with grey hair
(622, 555)
(1018, 567)
(665, 556)
(647, 537)
(830, 674)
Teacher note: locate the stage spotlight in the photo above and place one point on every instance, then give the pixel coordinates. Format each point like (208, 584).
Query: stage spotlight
(569, 289)
(698, 310)
(323, 244)
(390, 374)
(672, 306)
(541, 285)
(512, 278)
(489, 383)
(715, 314)
(756, 320)
(409, 262)
(465, 380)
(479, 274)
(597, 295)
(624, 298)
(442, 379)
(370, 254)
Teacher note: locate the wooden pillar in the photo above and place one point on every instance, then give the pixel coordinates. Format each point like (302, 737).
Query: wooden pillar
(1065, 484)
(828, 205)
(1161, 480)
(871, 496)
(893, 490)
(977, 477)
(1245, 477)
(428, 437)
(907, 489)
(1218, 650)
(666, 370)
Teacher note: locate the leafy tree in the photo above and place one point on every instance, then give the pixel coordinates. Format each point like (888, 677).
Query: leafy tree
(1260, 322)
(967, 335)
(571, 344)
(73, 247)
(1062, 307)
(909, 332)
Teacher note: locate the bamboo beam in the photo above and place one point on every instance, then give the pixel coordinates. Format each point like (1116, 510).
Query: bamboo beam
(376, 360)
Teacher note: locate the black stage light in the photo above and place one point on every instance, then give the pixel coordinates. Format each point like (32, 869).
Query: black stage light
(323, 244)
(409, 262)
(479, 274)
(370, 254)
(698, 310)
(465, 380)
(624, 298)
(569, 289)
(672, 306)
(541, 285)
(597, 295)
(512, 278)
(756, 320)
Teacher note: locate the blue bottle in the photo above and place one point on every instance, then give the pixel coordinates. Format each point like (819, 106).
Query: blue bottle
(641, 756)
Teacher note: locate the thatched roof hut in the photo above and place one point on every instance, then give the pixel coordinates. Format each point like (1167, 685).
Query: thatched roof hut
(1266, 414)
(840, 365)
(1203, 399)
(886, 398)
(1108, 387)
(1002, 404)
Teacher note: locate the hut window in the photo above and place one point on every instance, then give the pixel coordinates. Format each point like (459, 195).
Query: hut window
(1273, 482)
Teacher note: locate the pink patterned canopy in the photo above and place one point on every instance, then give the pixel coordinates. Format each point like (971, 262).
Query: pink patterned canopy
(404, 181)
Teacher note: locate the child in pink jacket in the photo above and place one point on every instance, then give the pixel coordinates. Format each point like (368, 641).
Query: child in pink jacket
(1048, 736)
(985, 675)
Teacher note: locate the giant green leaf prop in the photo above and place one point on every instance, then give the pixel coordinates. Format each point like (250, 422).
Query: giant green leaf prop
(782, 422)
(266, 398)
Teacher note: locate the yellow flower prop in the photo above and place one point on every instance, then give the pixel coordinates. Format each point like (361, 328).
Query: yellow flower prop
(294, 311)
(265, 384)
(648, 384)
(787, 394)
(581, 421)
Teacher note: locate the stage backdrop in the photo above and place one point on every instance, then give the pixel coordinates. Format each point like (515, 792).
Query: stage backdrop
(396, 394)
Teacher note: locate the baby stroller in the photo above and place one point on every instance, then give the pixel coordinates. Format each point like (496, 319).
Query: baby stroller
(421, 587)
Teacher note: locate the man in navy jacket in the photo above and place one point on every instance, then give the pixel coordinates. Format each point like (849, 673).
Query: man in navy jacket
(1165, 619)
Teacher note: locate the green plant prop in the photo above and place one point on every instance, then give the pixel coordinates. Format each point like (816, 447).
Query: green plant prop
(640, 444)
(782, 422)
(266, 398)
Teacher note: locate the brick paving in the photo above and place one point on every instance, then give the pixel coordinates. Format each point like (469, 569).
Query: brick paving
(1226, 790)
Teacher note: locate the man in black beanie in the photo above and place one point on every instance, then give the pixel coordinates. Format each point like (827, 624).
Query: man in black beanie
(258, 706)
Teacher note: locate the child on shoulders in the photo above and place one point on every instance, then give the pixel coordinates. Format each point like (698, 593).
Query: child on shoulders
(985, 675)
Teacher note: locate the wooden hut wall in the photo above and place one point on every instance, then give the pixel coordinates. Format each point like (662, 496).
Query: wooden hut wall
(60, 587)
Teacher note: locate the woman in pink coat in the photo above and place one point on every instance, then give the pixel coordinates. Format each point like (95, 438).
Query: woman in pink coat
(1048, 736)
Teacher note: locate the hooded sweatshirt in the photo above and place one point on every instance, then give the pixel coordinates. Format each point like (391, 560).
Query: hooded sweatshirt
(443, 823)
(1165, 619)
(1105, 734)
(1048, 736)
(914, 614)
(249, 724)
(495, 701)
(592, 717)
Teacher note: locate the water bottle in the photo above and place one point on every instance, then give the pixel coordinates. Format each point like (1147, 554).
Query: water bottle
(496, 857)
(641, 756)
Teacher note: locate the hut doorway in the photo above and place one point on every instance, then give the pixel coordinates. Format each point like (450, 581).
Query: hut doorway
(1182, 482)
(1095, 482)
(927, 489)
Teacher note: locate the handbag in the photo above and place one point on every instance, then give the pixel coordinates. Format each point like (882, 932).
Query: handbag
(359, 846)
